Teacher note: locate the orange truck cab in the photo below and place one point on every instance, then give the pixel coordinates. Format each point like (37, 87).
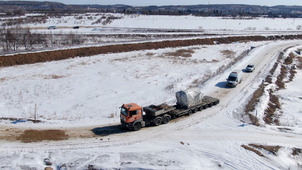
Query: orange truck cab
(132, 116)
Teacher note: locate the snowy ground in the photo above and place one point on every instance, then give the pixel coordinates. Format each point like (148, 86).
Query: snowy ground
(81, 94)
(172, 22)
(94, 23)
(91, 90)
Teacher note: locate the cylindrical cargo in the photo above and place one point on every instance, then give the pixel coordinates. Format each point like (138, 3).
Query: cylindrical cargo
(189, 97)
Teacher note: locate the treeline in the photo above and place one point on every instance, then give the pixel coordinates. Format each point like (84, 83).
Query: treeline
(18, 38)
(229, 10)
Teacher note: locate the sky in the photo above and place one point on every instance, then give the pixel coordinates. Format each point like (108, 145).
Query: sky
(180, 2)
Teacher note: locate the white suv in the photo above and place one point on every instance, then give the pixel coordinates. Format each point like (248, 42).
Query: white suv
(250, 68)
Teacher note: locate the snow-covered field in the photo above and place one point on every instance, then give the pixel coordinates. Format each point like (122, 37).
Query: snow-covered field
(120, 23)
(172, 22)
(81, 94)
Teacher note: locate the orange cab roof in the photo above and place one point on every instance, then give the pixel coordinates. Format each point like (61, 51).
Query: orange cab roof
(132, 106)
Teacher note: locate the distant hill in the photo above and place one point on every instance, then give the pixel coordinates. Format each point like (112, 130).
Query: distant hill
(32, 6)
(198, 10)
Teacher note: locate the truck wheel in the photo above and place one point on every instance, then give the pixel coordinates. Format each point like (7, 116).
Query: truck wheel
(137, 126)
(190, 112)
(166, 119)
(157, 121)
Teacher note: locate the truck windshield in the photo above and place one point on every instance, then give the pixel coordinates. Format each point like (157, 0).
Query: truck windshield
(231, 78)
(124, 111)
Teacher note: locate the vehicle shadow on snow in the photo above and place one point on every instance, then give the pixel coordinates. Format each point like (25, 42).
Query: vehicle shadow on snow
(244, 71)
(222, 85)
(109, 130)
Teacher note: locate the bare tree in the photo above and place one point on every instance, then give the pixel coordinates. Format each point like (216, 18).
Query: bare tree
(26, 39)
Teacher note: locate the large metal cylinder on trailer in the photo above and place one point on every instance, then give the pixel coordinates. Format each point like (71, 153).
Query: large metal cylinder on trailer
(189, 97)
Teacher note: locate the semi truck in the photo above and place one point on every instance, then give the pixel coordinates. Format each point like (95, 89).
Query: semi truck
(189, 101)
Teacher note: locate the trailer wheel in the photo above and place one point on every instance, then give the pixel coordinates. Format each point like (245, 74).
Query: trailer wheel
(189, 112)
(200, 108)
(157, 121)
(137, 126)
(195, 110)
(166, 119)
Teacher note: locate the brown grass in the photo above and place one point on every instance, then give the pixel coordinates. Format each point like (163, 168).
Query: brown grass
(3, 79)
(30, 58)
(289, 59)
(181, 53)
(228, 53)
(296, 151)
(254, 120)
(150, 54)
(40, 135)
(268, 78)
(299, 65)
(292, 73)
(272, 149)
(280, 78)
(53, 76)
(253, 150)
(252, 103)
(273, 105)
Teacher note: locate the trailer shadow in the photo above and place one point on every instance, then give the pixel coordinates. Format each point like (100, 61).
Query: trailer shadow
(109, 130)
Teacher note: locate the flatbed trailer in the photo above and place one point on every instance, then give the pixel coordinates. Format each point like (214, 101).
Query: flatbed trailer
(132, 116)
(154, 111)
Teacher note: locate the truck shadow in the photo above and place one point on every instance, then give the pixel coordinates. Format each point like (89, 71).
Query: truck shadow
(109, 130)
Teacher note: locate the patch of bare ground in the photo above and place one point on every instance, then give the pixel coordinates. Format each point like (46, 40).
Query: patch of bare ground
(40, 135)
(45, 56)
(181, 53)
